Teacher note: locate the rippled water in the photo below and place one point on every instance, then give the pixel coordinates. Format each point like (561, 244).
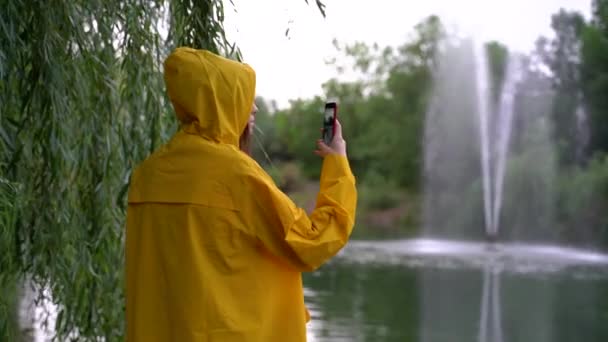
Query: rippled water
(435, 291)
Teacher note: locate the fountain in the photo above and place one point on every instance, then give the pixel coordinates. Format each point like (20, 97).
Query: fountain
(582, 130)
(483, 96)
(470, 170)
(498, 143)
(469, 131)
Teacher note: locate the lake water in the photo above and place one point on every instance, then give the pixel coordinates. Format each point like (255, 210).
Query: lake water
(440, 291)
(437, 291)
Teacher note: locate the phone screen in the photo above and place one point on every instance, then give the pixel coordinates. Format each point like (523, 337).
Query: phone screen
(329, 120)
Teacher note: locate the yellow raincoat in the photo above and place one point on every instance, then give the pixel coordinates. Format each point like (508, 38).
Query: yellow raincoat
(214, 250)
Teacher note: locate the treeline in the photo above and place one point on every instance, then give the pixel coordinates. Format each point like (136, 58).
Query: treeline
(384, 111)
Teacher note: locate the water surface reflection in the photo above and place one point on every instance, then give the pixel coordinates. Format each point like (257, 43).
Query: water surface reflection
(377, 293)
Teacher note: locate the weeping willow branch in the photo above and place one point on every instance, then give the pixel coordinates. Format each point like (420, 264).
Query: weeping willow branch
(82, 101)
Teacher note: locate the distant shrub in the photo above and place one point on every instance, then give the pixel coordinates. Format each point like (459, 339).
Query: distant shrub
(582, 205)
(287, 176)
(379, 197)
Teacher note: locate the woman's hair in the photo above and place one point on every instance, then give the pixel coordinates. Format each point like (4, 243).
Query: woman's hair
(245, 140)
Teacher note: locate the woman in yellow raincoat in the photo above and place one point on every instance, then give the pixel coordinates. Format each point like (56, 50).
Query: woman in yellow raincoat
(214, 250)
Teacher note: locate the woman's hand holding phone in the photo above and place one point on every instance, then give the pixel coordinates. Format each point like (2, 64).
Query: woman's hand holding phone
(337, 145)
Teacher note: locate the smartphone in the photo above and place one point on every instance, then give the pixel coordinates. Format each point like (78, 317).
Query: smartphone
(329, 121)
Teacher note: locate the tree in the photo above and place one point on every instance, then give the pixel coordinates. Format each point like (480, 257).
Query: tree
(498, 55)
(563, 56)
(9, 204)
(594, 75)
(600, 15)
(81, 102)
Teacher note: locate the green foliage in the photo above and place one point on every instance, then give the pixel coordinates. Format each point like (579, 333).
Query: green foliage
(563, 55)
(266, 138)
(298, 129)
(379, 196)
(594, 74)
(9, 259)
(320, 6)
(9, 327)
(287, 176)
(82, 101)
(382, 112)
(497, 60)
(583, 203)
(530, 192)
(600, 15)
(200, 25)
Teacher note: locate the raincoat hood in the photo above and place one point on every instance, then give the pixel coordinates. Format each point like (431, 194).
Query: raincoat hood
(212, 95)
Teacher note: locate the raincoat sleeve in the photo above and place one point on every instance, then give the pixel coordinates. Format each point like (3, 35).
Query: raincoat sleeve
(305, 242)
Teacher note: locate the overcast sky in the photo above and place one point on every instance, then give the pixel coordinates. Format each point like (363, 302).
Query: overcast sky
(294, 66)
